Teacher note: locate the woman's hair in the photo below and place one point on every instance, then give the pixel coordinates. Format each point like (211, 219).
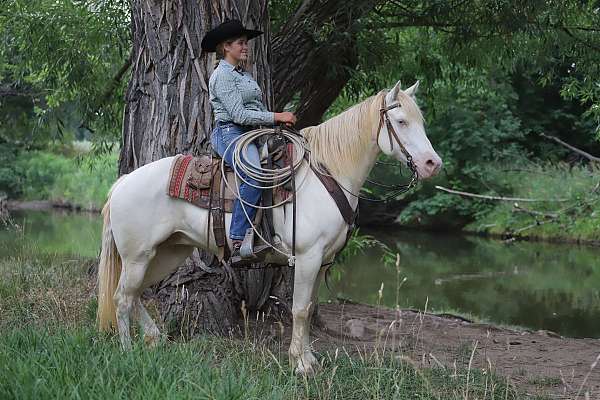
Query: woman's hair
(221, 47)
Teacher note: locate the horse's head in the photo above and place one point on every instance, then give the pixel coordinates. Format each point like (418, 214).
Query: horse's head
(406, 123)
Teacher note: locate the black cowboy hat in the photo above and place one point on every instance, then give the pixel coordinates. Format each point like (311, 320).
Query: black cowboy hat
(227, 30)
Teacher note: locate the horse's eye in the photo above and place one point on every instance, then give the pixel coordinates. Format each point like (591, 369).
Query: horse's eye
(402, 122)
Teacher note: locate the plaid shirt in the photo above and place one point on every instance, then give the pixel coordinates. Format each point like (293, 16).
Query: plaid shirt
(236, 97)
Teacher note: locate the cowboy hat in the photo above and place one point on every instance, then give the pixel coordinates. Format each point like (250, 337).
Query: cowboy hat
(227, 30)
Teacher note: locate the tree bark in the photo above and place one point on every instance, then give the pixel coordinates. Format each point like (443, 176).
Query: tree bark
(314, 53)
(168, 112)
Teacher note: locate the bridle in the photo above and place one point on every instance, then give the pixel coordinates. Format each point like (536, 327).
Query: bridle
(393, 137)
(383, 117)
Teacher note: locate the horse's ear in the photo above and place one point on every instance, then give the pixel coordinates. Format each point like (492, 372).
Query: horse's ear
(411, 91)
(393, 93)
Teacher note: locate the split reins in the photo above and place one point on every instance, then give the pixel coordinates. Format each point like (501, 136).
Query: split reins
(270, 179)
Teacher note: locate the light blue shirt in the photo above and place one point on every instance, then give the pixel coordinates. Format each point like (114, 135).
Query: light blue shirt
(236, 97)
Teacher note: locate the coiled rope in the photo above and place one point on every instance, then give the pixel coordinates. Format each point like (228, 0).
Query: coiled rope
(267, 178)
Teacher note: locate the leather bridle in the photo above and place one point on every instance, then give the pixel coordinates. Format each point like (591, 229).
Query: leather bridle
(393, 136)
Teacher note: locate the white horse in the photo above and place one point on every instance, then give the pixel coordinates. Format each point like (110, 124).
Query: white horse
(148, 234)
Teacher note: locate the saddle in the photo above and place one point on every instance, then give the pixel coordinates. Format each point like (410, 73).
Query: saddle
(199, 180)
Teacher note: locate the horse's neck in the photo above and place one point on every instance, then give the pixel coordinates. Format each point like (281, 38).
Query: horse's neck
(356, 178)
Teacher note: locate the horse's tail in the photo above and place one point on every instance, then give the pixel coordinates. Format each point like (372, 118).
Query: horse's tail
(109, 272)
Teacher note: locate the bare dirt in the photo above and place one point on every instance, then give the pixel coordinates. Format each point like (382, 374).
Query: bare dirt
(537, 363)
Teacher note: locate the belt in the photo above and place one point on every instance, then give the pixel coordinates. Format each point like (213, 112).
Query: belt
(224, 124)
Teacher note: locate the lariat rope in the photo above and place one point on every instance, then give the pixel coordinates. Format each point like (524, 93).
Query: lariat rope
(269, 178)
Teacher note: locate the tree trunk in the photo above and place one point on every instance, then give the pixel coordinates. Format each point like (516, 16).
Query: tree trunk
(168, 112)
(314, 54)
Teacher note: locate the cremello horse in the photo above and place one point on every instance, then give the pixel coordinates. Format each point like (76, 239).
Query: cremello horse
(148, 234)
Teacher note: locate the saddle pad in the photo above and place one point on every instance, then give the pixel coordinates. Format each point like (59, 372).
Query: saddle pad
(191, 179)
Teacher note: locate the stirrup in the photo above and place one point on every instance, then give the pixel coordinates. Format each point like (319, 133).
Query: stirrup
(246, 254)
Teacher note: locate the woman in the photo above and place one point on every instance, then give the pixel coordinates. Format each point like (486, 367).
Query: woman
(237, 103)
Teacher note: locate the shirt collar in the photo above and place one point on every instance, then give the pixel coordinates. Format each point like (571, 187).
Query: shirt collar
(230, 67)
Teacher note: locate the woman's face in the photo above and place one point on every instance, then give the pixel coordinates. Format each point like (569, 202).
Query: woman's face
(238, 50)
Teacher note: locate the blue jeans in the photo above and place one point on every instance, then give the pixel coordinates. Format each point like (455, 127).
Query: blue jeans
(223, 136)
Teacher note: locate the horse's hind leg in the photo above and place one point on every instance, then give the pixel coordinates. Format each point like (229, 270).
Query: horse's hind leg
(166, 260)
(127, 296)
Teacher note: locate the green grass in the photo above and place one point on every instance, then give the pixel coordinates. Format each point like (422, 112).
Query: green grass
(576, 218)
(44, 291)
(77, 363)
(49, 348)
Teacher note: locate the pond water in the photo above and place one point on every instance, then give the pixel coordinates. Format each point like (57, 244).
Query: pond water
(536, 285)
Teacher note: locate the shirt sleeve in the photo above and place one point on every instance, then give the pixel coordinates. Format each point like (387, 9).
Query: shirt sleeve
(231, 98)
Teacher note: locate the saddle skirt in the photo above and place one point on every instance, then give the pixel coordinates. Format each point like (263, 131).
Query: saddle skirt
(198, 180)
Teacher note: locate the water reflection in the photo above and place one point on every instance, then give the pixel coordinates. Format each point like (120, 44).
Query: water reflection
(538, 285)
(59, 233)
(541, 286)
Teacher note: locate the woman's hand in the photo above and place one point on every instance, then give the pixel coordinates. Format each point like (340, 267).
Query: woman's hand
(287, 118)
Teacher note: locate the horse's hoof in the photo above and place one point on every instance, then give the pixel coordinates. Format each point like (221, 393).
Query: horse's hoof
(151, 340)
(308, 365)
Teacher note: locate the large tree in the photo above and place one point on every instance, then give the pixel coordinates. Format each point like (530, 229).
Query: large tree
(168, 112)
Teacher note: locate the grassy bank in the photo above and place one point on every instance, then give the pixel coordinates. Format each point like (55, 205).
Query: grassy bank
(76, 363)
(78, 179)
(568, 210)
(50, 349)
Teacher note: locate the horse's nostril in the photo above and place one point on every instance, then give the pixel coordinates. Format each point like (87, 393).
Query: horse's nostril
(430, 163)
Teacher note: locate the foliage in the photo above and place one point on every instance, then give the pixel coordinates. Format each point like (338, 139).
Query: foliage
(576, 217)
(358, 244)
(494, 75)
(56, 61)
(79, 180)
(481, 109)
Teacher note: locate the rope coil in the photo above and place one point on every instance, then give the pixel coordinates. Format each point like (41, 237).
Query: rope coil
(266, 177)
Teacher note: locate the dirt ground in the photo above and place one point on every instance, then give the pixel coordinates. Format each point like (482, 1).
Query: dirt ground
(537, 363)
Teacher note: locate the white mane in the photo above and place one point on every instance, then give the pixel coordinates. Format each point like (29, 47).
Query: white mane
(340, 142)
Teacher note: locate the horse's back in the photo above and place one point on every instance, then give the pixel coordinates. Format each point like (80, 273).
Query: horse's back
(142, 213)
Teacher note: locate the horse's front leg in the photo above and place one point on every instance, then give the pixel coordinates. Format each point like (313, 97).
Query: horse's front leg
(305, 282)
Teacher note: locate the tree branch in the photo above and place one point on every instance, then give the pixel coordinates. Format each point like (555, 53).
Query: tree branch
(114, 82)
(572, 148)
(10, 91)
(496, 198)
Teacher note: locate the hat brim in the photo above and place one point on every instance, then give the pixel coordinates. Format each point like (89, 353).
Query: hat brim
(216, 36)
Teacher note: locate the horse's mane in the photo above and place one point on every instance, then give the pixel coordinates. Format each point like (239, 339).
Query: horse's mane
(340, 142)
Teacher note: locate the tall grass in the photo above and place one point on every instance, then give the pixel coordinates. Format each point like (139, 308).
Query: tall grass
(76, 363)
